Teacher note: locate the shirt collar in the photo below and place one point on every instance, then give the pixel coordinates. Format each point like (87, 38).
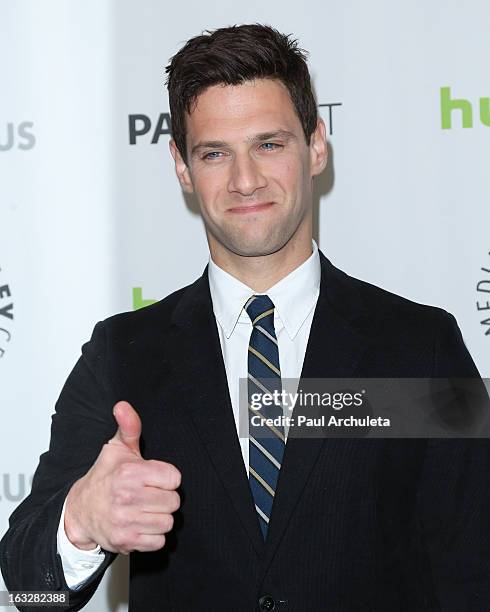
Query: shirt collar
(293, 296)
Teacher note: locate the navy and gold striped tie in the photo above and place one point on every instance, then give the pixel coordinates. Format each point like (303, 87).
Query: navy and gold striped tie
(266, 442)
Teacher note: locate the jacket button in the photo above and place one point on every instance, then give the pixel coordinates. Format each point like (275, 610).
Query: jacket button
(267, 603)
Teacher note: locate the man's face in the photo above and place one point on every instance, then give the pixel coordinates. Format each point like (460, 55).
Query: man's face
(250, 167)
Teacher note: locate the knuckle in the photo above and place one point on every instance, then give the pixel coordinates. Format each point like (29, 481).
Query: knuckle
(120, 519)
(172, 476)
(124, 497)
(120, 540)
(167, 523)
(173, 501)
(175, 478)
(169, 472)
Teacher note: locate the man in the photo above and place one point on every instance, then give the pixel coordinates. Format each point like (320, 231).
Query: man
(144, 456)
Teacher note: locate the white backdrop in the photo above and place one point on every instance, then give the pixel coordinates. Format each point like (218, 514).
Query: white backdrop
(86, 217)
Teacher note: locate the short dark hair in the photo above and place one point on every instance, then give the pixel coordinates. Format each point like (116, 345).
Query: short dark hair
(232, 56)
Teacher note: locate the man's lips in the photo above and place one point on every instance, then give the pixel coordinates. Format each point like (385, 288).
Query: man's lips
(249, 208)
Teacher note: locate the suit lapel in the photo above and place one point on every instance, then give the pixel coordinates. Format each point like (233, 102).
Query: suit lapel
(199, 365)
(333, 351)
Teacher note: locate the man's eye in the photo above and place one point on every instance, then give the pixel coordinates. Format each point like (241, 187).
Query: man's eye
(212, 155)
(270, 146)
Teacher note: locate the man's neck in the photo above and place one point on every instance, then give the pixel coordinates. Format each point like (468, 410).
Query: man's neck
(262, 272)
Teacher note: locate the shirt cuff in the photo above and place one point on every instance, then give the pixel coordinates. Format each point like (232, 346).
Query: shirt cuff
(78, 565)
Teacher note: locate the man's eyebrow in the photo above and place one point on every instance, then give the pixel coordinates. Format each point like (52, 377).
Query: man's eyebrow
(284, 134)
(262, 137)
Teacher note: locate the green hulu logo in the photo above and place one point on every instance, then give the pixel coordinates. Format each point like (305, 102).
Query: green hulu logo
(138, 300)
(449, 105)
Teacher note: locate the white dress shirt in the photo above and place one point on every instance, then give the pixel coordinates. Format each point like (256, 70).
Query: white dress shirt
(294, 298)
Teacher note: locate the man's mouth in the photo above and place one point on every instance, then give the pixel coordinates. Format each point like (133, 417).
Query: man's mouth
(250, 208)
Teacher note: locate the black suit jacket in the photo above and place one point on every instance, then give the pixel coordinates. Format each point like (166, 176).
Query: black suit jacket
(357, 525)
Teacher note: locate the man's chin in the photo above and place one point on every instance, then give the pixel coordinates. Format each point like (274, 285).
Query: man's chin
(257, 248)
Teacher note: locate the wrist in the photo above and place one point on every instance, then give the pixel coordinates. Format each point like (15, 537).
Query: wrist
(74, 530)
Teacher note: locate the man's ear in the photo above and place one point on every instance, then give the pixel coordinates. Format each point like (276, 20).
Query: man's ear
(318, 148)
(181, 168)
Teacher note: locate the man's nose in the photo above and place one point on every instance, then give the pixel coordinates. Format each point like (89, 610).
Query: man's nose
(246, 176)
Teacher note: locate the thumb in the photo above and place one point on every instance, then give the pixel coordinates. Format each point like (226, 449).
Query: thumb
(129, 426)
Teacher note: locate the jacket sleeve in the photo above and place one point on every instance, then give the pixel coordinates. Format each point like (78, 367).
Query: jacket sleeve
(454, 494)
(82, 424)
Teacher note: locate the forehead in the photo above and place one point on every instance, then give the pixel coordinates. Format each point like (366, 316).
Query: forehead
(225, 111)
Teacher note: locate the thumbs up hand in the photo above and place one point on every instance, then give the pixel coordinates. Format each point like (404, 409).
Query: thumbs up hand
(124, 502)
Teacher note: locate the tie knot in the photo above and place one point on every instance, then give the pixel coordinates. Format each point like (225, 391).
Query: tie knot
(258, 307)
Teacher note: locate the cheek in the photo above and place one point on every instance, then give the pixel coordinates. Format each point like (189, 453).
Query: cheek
(208, 184)
(290, 177)
(210, 179)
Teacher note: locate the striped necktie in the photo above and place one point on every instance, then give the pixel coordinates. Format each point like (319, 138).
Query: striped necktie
(266, 442)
